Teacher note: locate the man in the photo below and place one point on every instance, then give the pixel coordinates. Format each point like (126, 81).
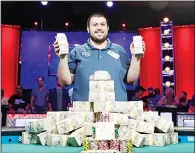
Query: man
(139, 90)
(19, 102)
(39, 97)
(183, 99)
(157, 97)
(150, 94)
(99, 53)
(59, 98)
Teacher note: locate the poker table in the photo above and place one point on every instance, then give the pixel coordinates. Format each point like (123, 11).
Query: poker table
(11, 143)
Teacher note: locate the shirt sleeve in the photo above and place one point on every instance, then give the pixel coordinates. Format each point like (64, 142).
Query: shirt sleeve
(33, 93)
(72, 61)
(11, 100)
(125, 61)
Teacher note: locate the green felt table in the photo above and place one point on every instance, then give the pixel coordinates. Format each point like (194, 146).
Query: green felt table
(21, 148)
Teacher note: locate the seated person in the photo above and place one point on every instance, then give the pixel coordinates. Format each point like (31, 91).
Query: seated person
(139, 90)
(183, 99)
(192, 105)
(169, 98)
(157, 97)
(18, 102)
(150, 95)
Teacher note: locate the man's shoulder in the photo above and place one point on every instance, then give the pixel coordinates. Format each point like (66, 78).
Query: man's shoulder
(79, 48)
(14, 96)
(117, 46)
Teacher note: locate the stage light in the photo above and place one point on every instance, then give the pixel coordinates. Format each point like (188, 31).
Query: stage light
(166, 45)
(166, 32)
(44, 3)
(167, 69)
(110, 4)
(166, 19)
(35, 23)
(168, 84)
(66, 24)
(167, 58)
(123, 25)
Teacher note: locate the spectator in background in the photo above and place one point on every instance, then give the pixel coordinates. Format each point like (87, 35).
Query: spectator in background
(139, 90)
(169, 98)
(40, 97)
(192, 105)
(18, 103)
(157, 97)
(4, 108)
(183, 99)
(150, 94)
(59, 98)
(4, 100)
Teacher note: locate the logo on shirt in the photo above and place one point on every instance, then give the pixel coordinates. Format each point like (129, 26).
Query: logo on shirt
(86, 53)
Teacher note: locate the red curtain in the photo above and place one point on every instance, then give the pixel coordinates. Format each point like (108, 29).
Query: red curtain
(184, 59)
(150, 72)
(9, 60)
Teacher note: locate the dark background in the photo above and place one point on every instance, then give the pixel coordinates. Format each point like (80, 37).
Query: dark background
(134, 14)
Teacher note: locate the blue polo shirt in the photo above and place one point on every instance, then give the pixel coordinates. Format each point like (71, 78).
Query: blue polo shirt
(84, 60)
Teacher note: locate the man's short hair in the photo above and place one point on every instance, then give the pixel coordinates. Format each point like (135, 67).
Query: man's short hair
(19, 86)
(40, 77)
(96, 15)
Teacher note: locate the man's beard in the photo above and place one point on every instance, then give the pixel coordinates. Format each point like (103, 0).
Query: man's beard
(98, 41)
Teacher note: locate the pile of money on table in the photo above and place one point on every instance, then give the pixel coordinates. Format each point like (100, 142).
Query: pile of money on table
(102, 125)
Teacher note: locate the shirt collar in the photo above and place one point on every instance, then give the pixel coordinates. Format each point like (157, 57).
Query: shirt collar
(89, 46)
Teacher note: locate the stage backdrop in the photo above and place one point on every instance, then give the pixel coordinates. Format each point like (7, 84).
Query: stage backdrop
(9, 61)
(34, 54)
(150, 73)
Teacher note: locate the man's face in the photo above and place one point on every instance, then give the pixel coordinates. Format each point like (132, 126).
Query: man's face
(40, 82)
(98, 29)
(18, 90)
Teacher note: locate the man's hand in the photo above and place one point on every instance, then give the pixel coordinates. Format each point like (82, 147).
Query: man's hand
(57, 48)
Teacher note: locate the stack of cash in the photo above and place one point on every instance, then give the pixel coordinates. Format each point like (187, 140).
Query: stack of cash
(57, 140)
(76, 138)
(101, 87)
(82, 106)
(38, 125)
